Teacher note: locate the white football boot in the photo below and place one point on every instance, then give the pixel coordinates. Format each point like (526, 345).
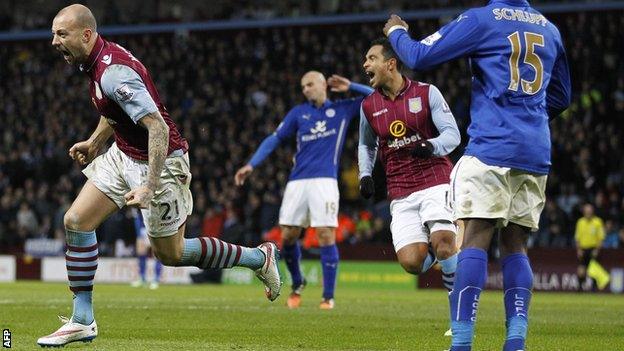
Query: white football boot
(269, 272)
(69, 332)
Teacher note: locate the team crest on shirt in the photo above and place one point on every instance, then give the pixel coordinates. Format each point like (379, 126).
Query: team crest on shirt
(414, 105)
(330, 112)
(107, 59)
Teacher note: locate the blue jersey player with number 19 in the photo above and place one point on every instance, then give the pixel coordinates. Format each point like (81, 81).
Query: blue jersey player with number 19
(520, 81)
(311, 195)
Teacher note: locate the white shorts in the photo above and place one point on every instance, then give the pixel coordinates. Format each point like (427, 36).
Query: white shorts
(114, 173)
(417, 215)
(508, 195)
(310, 203)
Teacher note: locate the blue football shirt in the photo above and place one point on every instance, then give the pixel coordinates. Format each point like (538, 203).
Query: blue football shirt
(520, 78)
(320, 134)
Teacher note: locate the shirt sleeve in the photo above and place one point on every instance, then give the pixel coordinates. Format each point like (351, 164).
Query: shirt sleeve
(559, 91)
(266, 147)
(444, 121)
(456, 39)
(288, 127)
(361, 89)
(367, 147)
(124, 85)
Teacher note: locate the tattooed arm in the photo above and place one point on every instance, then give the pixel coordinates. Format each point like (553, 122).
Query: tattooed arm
(158, 144)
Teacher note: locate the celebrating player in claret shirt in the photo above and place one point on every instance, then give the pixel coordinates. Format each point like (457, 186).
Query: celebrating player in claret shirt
(413, 128)
(520, 80)
(146, 167)
(311, 196)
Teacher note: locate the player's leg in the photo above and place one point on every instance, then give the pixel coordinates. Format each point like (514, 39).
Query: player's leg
(444, 248)
(581, 270)
(90, 208)
(470, 278)
(141, 245)
(435, 212)
(416, 258)
(481, 196)
(527, 203)
(157, 274)
(517, 284)
(209, 252)
(291, 251)
(329, 263)
(294, 215)
(323, 204)
(409, 235)
(165, 220)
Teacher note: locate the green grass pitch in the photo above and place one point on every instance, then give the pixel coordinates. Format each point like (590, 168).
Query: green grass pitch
(233, 317)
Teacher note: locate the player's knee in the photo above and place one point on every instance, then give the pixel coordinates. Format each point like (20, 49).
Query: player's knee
(168, 257)
(444, 251)
(413, 266)
(73, 221)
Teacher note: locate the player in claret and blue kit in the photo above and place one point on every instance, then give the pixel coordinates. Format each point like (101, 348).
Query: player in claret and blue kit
(146, 167)
(413, 129)
(520, 81)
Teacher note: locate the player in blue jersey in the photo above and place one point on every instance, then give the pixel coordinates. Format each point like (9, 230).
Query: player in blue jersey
(142, 249)
(520, 81)
(311, 195)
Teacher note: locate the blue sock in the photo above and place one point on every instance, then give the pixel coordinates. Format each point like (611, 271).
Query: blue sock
(449, 266)
(142, 265)
(517, 283)
(81, 260)
(292, 256)
(329, 261)
(470, 278)
(157, 270)
(209, 252)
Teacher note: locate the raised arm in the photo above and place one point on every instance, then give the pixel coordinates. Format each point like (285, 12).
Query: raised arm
(341, 84)
(456, 39)
(286, 129)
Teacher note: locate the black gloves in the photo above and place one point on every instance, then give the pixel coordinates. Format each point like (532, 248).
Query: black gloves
(423, 149)
(367, 187)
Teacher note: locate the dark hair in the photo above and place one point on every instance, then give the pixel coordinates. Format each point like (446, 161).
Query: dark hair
(388, 51)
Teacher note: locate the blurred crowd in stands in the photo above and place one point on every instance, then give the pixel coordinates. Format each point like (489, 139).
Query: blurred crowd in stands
(227, 90)
(37, 14)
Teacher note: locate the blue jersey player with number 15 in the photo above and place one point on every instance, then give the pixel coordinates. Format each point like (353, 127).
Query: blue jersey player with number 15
(520, 81)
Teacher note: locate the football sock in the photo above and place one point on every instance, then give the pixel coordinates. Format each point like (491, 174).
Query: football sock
(142, 266)
(449, 266)
(428, 262)
(517, 284)
(81, 260)
(292, 256)
(329, 262)
(470, 278)
(157, 270)
(209, 252)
